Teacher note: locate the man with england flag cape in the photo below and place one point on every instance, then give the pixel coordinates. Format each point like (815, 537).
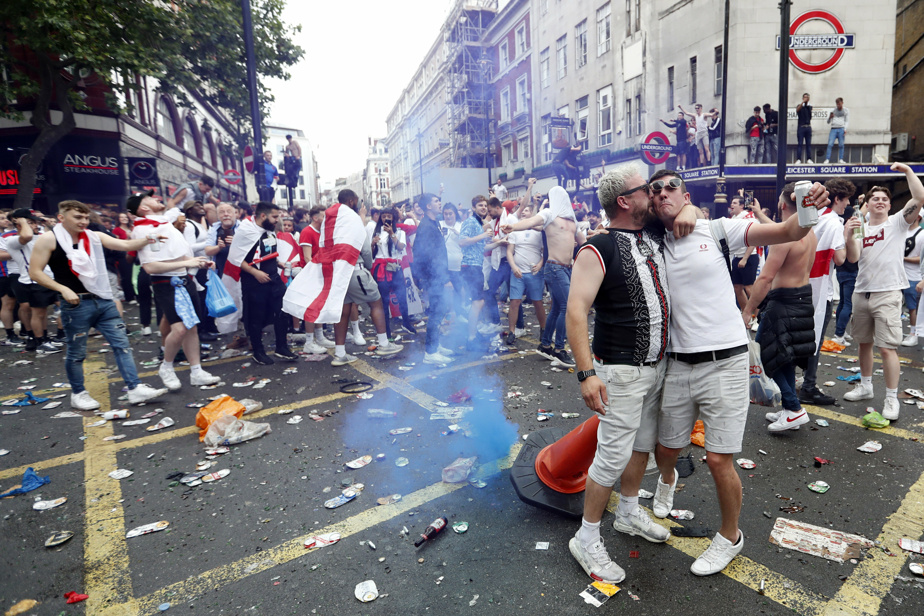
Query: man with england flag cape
(337, 277)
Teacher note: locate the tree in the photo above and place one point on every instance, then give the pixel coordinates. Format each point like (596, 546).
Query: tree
(50, 50)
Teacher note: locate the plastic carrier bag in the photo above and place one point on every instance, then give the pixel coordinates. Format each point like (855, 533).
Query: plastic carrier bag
(763, 390)
(218, 301)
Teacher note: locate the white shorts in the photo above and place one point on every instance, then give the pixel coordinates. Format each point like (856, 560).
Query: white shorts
(631, 420)
(714, 391)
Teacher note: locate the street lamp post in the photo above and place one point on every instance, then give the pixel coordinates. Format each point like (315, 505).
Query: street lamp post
(721, 196)
(258, 167)
(783, 108)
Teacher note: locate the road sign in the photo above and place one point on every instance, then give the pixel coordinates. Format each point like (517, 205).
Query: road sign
(656, 148)
(248, 159)
(233, 176)
(838, 41)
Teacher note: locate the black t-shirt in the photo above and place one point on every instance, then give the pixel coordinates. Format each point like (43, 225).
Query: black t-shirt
(265, 246)
(772, 118)
(61, 270)
(805, 115)
(632, 307)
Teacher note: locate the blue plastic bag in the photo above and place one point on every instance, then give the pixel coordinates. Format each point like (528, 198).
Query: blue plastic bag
(218, 301)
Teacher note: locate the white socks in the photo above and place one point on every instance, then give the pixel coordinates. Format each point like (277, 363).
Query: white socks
(354, 325)
(168, 365)
(866, 381)
(340, 350)
(627, 504)
(194, 370)
(589, 533)
(383, 339)
(891, 393)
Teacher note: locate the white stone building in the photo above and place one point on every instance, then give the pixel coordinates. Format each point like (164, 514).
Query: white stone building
(306, 193)
(376, 178)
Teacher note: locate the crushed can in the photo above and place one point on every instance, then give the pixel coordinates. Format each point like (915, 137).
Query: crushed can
(118, 414)
(805, 205)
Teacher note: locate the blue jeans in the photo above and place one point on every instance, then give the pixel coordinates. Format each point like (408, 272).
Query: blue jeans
(714, 147)
(104, 316)
(785, 377)
(836, 133)
(436, 311)
(804, 136)
(558, 279)
(496, 280)
(848, 281)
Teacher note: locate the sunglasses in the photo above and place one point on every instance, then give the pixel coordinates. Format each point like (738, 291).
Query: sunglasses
(632, 190)
(658, 185)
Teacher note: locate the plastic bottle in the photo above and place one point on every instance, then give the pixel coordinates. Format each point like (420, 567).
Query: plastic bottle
(380, 413)
(432, 531)
(858, 232)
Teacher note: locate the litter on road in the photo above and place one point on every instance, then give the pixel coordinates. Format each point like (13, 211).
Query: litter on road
(817, 541)
(599, 593)
(58, 538)
(359, 462)
(121, 473)
(870, 447)
(44, 505)
(320, 541)
(366, 591)
(147, 529)
(911, 545)
(166, 422)
(30, 481)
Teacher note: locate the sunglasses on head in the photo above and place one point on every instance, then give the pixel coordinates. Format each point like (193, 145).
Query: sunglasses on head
(658, 185)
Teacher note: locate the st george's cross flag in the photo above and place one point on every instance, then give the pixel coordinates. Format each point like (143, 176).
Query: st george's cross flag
(316, 295)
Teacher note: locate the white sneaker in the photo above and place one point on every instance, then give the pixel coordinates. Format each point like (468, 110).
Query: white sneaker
(860, 392)
(717, 556)
(842, 162)
(910, 340)
(638, 523)
(663, 500)
(84, 401)
(890, 409)
(808, 161)
(143, 393)
(169, 377)
(827, 162)
(445, 352)
(519, 331)
(848, 337)
(388, 349)
(488, 329)
(596, 562)
(773, 416)
(356, 339)
(313, 348)
(788, 420)
(798, 162)
(841, 340)
(344, 360)
(145, 331)
(320, 340)
(201, 377)
(436, 359)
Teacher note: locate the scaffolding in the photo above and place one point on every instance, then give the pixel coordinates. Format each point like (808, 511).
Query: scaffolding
(469, 70)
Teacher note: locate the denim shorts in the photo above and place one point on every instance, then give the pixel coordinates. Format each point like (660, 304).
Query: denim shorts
(532, 284)
(911, 296)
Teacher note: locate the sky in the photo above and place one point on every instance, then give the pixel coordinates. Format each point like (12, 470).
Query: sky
(368, 49)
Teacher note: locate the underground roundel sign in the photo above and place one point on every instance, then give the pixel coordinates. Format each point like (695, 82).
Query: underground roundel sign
(817, 41)
(656, 148)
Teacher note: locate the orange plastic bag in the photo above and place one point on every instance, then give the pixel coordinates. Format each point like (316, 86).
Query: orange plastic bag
(698, 436)
(829, 346)
(226, 405)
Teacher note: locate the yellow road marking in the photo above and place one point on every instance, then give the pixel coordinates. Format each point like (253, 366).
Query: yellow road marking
(107, 567)
(466, 366)
(397, 384)
(292, 549)
(872, 579)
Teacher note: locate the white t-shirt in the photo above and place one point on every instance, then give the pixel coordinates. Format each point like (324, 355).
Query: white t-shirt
(174, 247)
(704, 312)
(21, 255)
(500, 191)
(881, 257)
(383, 252)
(913, 270)
(743, 215)
(453, 250)
(527, 250)
(370, 229)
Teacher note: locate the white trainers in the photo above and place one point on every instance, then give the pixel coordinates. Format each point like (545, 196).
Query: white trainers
(775, 416)
(169, 377)
(436, 358)
(910, 340)
(809, 161)
(717, 555)
(848, 337)
(798, 162)
(890, 409)
(638, 523)
(841, 340)
(146, 331)
(788, 420)
(841, 162)
(388, 349)
(313, 348)
(143, 393)
(519, 331)
(596, 562)
(663, 500)
(445, 352)
(322, 341)
(201, 377)
(356, 339)
(84, 401)
(827, 162)
(343, 360)
(860, 392)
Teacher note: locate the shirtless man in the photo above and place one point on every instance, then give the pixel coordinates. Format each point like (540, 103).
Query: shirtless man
(787, 326)
(560, 226)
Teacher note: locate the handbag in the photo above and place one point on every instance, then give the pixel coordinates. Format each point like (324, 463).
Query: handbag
(218, 301)
(763, 390)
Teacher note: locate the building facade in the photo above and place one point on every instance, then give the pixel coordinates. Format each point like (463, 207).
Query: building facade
(376, 177)
(908, 86)
(306, 192)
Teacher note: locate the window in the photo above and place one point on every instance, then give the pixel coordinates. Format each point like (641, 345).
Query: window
(506, 153)
(638, 15)
(209, 149)
(628, 17)
(382, 185)
(544, 68)
(605, 116)
(546, 138)
(603, 29)
(522, 95)
(564, 112)
(670, 88)
(505, 105)
(561, 54)
(638, 114)
(521, 40)
(504, 55)
(581, 106)
(301, 195)
(283, 194)
(165, 125)
(580, 44)
(190, 143)
(692, 80)
(523, 146)
(719, 60)
(629, 117)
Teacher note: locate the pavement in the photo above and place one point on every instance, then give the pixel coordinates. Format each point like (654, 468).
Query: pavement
(236, 546)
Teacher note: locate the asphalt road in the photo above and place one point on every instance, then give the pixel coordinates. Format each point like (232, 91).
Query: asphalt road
(236, 546)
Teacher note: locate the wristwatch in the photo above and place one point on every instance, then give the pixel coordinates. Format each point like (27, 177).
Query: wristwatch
(585, 374)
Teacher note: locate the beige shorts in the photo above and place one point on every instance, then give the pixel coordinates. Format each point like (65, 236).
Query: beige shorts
(362, 289)
(631, 420)
(714, 391)
(878, 318)
(702, 141)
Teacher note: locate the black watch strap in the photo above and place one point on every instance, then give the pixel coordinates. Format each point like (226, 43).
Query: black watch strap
(584, 374)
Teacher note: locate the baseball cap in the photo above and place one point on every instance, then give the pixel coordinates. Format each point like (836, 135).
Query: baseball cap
(135, 200)
(509, 205)
(24, 212)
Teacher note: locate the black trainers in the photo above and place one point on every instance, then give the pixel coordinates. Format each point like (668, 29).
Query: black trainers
(262, 358)
(815, 396)
(510, 339)
(546, 351)
(31, 343)
(562, 358)
(286, 354)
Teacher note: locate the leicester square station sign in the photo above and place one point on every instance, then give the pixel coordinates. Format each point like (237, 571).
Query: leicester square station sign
(836, 39)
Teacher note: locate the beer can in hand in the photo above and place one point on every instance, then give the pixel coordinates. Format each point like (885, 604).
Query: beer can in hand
(805, 205)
